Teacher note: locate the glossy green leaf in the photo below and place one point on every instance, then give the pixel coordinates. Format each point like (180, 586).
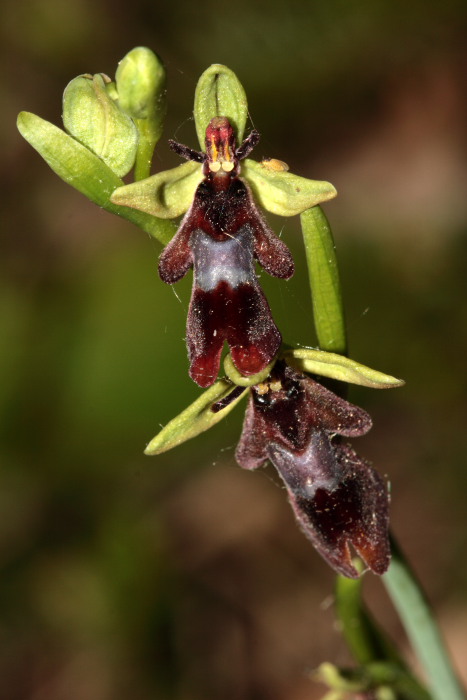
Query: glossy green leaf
(85, 171)
(166, 194)
(94, 119)
(326, 296)
(219, 93)
(141, 86)
(329, 364)
(195, 419)
(284, 193)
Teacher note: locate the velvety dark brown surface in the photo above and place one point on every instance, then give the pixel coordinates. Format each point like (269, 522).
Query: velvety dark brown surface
(338, 498)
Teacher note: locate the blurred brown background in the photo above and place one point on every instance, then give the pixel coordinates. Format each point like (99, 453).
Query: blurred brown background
(183, 577)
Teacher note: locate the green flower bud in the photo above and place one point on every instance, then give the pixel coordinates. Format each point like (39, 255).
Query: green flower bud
(94, 119)
(141, 87)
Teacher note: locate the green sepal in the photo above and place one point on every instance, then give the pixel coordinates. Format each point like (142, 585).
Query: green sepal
(284, 193)
(141, 86)
(219, 93)
(195, 419)
(334, 366)
(166, 194)
(240, 379)
(323, 272)
(86, 172)
(94, 119)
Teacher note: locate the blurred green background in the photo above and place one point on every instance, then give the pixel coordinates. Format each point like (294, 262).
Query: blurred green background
(183, 577)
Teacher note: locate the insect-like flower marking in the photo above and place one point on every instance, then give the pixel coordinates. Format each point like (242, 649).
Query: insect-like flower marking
(337, 497)
(220, 237)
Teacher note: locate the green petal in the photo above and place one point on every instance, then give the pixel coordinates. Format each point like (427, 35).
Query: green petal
(85, 171)
(323, 272)
(284, 193)
(329, 364)
(219, 93)
(194, 420)
(166, 194)
(96, 121)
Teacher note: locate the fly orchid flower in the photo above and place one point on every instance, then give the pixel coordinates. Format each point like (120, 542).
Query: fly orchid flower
(220, 237)
(337, 497)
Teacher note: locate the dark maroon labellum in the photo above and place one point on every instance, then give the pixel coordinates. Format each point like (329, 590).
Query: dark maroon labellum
(338, 498)
(220, 237)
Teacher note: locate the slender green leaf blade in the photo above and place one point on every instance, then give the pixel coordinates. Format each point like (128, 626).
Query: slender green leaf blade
(86, 172)
(420, 624)
(282, 192)
(335, 366)
(166, 194)
(194, 420)
(328, 308)
(219, 93)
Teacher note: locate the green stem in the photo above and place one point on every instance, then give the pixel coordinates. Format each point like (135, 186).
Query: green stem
(326, 295)
(369, 645)
(417, 617)
(147, 142)
(401, 584)
(365, 640)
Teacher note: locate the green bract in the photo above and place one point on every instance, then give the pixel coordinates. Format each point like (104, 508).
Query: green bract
(166, 194)
(219, 93)
(86, 172)
(195, 419)
(94, 119)
(323, 272)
